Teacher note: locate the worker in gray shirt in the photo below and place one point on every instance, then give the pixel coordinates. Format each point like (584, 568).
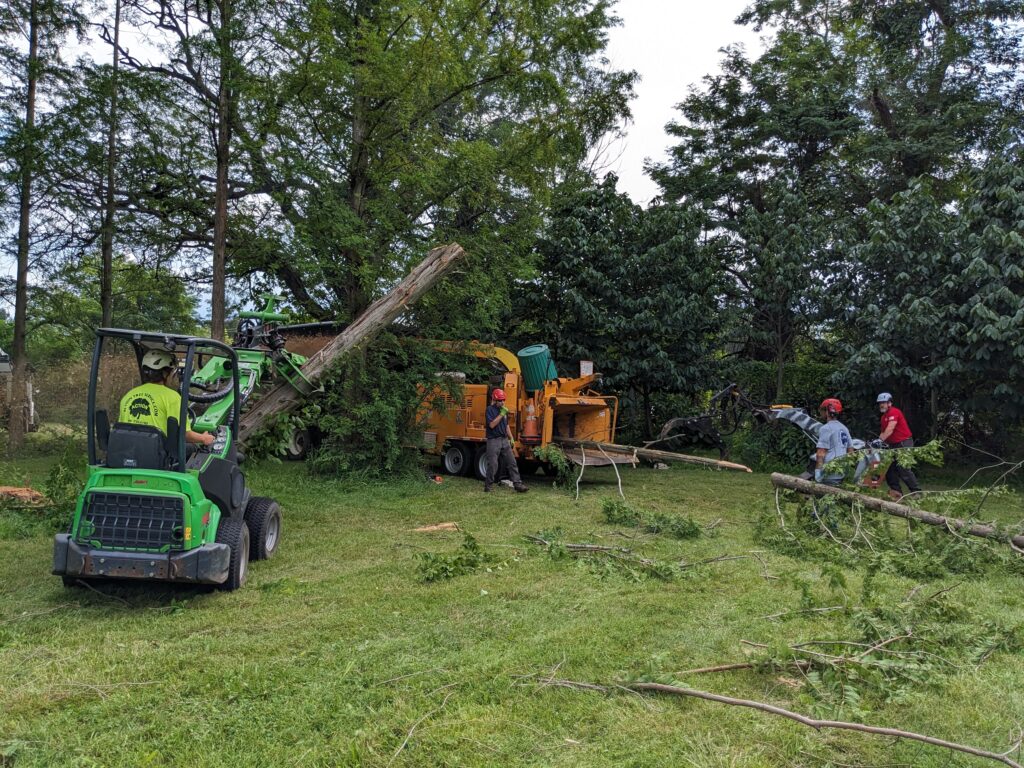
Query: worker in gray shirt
(833, 441)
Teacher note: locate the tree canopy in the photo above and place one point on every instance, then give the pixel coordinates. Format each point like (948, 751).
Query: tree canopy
(848, 200)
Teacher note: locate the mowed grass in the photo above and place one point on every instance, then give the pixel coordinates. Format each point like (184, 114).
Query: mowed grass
(335, 654)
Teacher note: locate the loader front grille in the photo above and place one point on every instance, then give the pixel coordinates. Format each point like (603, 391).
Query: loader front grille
(129, 521)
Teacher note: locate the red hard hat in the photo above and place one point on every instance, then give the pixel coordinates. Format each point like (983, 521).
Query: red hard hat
(498, 394)
(831, 404)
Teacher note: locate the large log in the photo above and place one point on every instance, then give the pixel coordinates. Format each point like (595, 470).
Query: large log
(892, 508)
(377, 317)
(651, 454)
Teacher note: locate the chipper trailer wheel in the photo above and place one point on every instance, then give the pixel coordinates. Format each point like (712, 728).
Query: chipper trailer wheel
(235, 533)
(456, 459)
(480, 463)
(263, 516)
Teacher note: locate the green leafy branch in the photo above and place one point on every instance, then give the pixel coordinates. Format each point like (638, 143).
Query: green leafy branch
(618, 512)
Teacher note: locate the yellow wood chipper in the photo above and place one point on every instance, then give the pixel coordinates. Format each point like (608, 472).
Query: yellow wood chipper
(543, 409)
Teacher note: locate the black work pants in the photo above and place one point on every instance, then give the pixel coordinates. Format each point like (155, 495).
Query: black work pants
(895, 474)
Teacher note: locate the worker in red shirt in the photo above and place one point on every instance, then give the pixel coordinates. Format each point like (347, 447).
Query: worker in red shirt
(895, 433)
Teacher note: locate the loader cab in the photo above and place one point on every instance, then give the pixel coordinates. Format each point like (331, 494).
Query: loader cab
(150, 509)
(117, 368)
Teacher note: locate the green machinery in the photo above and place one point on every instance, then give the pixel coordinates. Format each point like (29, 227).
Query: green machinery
(152, 506)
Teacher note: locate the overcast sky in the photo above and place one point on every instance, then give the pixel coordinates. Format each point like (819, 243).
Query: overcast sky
(672, 45)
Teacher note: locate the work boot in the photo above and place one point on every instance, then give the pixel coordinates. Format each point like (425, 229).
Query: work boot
(487, 489)
(895, 495)
(521, 488)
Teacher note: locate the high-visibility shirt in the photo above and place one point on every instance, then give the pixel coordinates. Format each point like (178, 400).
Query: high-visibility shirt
(152, 405)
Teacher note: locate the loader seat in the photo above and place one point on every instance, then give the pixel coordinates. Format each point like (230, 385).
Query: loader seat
(136, 446)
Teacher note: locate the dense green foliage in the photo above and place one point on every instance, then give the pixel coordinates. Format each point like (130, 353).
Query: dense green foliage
(864, 173)
(631, 289)
(841, 214)
(367, 414)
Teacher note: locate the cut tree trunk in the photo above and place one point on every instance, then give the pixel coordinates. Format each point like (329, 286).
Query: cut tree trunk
(376, 318)
(892, 508)
(650, 454)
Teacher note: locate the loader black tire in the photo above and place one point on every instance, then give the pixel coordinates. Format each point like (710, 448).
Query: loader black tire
(235, 533)
(263, 516)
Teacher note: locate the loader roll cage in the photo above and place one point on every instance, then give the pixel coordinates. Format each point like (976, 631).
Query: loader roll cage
(141, 342)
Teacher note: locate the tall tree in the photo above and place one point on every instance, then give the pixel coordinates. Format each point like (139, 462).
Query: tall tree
(110, 202)
(392, 126)
(851, 102)
(41, 25)
(202, 40)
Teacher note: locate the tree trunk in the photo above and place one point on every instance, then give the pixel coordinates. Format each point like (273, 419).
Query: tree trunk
(16, 425)
(220, 204)
(381, 314)
(107, 242)
(892, 508)
(356, 297)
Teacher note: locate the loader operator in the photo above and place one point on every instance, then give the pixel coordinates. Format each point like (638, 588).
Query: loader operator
(157, 399)
(895, 433)
(499, 444)
(833, 442)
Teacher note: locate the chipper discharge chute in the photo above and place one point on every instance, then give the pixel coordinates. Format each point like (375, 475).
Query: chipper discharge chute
(154, 507)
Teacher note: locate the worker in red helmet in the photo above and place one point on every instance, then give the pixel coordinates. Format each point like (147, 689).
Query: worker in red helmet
(833, 442)
(499, 443)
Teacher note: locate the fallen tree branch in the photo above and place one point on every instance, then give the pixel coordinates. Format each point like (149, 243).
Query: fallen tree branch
(286, 397)
(416, 725)
(797, 664)
(897, 510)
(805, 610)
(647, 453)
(720, 559)
(817, 725)
(578, 547)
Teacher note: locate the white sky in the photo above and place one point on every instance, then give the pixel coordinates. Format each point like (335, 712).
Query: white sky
(672, 44)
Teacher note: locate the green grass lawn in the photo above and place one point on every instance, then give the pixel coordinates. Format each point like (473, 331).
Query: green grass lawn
(335, 653)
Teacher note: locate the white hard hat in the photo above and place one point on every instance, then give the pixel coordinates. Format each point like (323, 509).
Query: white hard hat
(158, 359)
(885, 397)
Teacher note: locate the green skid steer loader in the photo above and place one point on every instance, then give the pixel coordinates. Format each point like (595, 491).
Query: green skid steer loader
(156, 508)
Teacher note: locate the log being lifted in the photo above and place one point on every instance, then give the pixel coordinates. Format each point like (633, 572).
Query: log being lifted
(650, 454)
(892, 508)
(377, 317)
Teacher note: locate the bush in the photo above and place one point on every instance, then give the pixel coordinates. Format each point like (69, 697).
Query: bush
(367, 414)
(21, 519)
